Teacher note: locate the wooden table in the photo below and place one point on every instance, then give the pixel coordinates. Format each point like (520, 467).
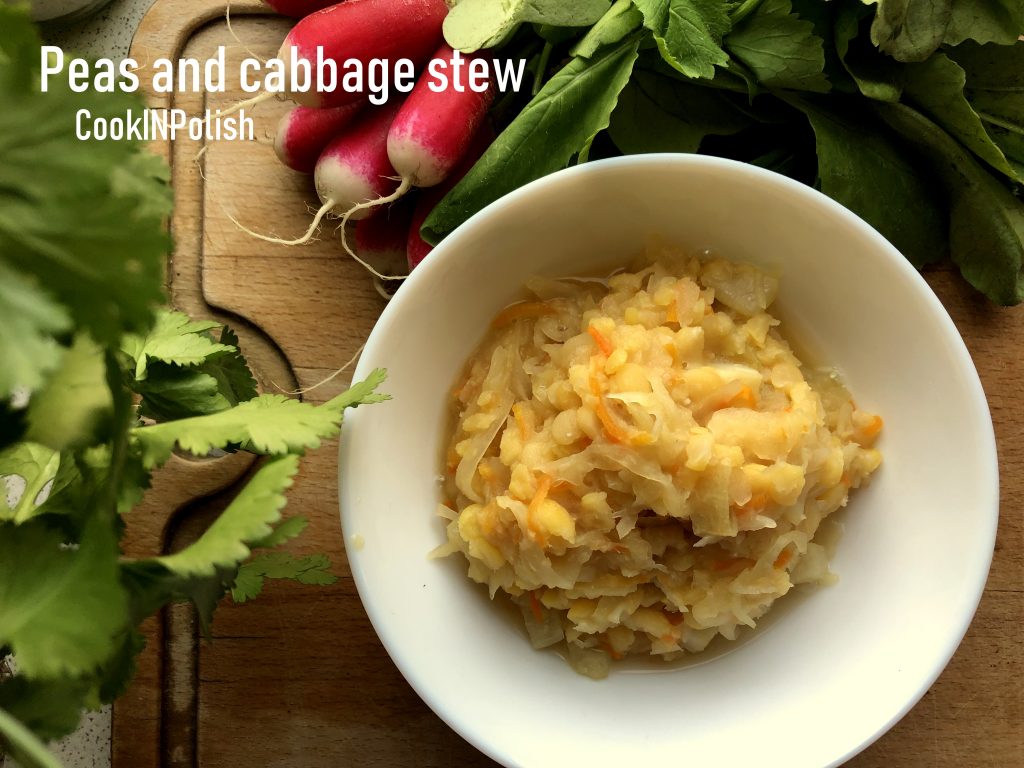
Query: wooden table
(298, 677)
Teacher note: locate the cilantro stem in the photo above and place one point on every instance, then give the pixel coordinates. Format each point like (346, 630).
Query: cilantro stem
(119, 442)
(31, 752)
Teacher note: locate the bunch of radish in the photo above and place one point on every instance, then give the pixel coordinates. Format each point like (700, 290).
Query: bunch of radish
(365, 159)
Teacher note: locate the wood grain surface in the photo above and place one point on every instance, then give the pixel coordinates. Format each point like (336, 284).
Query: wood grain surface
(297, 678)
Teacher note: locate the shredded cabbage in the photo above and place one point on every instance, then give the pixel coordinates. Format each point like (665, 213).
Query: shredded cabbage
(643, 465)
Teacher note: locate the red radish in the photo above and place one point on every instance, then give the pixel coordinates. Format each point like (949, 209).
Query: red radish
(303, 133)
(363, 30)
(432, 131)
(299, 8)
(417, 248)
(380, 239)
(353, 168)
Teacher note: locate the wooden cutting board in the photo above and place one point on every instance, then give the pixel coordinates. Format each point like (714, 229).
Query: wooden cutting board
(298, 678)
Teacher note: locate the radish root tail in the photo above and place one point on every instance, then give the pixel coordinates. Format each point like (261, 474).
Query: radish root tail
(238, 106)
(231, 31)
(403, 187)
(331, 377)
(324, 209)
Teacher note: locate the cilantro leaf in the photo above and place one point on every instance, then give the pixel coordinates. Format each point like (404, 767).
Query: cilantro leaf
(75, 403)
(286, 531)
(911, 30)
(69, 215)
(219, 382)
(36, 465)
(59, 607)
(234, 379)
(307, 569)
(688, 33)
(29, 317)
(859, 168)
(360, 393)
(150, 586)
(116, 673)
(986, 220)
(268, 424)
(247, 519)
(203, 571)
(50, 708)
(571, 108)
(170, 392)
(175, 339)
(780, 48)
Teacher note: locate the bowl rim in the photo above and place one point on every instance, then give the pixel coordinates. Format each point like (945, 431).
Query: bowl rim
(445, 251)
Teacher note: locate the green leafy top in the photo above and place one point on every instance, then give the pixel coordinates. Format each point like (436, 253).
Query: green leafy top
(814, 76)
(475, 24)
(84, 220)
(688, 33)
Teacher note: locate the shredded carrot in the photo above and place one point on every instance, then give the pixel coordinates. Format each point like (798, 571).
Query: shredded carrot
(543, 486)
(521, 311)
(846, 479)
(743, 399)
(784, 557)
(606, 646)
(669, 639)
(756, 503)
(729, 563)
(535, 609)
(602, 342)
(524, 427)
(615, 431)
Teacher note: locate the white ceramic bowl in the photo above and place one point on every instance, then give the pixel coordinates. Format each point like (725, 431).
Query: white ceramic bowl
(843, 663)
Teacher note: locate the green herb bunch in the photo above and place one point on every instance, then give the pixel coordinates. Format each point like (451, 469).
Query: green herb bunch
(908, 112)
(98, 387)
